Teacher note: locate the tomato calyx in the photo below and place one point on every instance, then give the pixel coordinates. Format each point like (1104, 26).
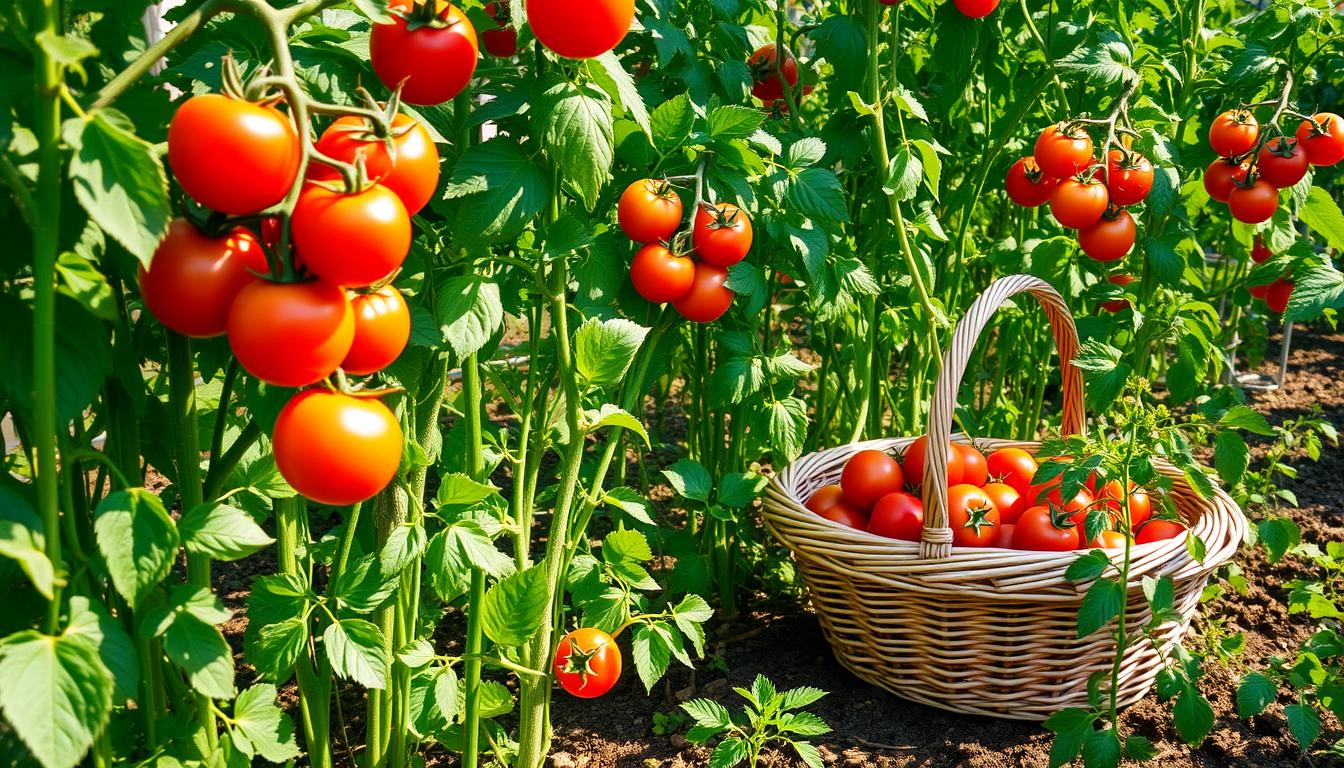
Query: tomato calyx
(718, 217)
(425, 15)
(580, 662)
(1060, 517)
(978, 517)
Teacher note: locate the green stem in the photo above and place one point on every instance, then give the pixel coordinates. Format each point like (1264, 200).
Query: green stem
(471, 724)
(314, 698)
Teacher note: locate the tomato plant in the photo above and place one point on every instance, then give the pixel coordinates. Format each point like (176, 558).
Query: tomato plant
(425, 51)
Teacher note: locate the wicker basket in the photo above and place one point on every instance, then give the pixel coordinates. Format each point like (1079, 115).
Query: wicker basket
(981, 630)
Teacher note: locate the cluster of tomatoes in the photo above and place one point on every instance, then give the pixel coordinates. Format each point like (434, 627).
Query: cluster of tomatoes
(650, 213)
(1253, 165)
(1083, 195)
(992, 501)
(1276, 294)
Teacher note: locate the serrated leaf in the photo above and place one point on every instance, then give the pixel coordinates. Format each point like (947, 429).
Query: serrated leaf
(1255, 692)
(689, 480)
(222, 532)
(469, 312)
(355, 649)
(500, 191)
(734, 122)
(1102, 603)
(513, 608)
(138, 540)
(264, 724)
(575, 121)
(604, 350)
(55, 694)
(92, 625)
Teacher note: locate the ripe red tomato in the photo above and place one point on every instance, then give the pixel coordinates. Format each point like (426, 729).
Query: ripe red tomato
(972, 516)
(660, 275)
(1026, 185)
(604, 24)
(501, 42)
(1140, 505)
(382, 329)
(193, 279)
(868, 476)
(1111, 238)
(1129, 178)
(1158, 530)
(431, 63)
(824, 498)
(1118, 304)
(1004, 539)
(1050, 494)
(1109, 540)
(1007, 500)
(1013, 467)
(352, 240)
(708, 298)
(1255, 203)
(1323, 141)
(649, 211)
(1221, 177)
(336, 449)
(974, 471)
(976, 8)
(722, 234)
(1036, 531)
(1234, 132)
(291, 334)
(765, 73)
(1079, 204)
(897, 516)
(1259, 291)
(587, 663)
(1282, 162)
(1062, 154)
(232, 156)
(913, 463)
(1260, 252)
(1276, 298)
(410, 168)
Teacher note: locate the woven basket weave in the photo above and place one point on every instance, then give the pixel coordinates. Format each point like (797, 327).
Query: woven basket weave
(982, 630)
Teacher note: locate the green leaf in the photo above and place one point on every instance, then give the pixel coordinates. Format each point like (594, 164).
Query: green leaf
(651, 655)
(1102, 603)
(904, 174)
(604, 350)
(500, 190)
(708, 713)
(734, 122)
(513, 608)
(265, 725)
(738, 490)
(192, 641)
(787, 428)
(1139, 748)
(405, 544)
(1108, 60)
(1246, 418)
(626, 93)
(459, 490)
(137, 539)
(818, 194)
(1322, 214)
(1192, 716)
(575, 122)
(363, 586)
(1101, 748)
(803, 724)
(1070, 727)
(1088, 567)
(1304, 723)
(672, 122)
(1278, 535)
(612, 416)
(66, 50)
(56, 695)
(1255, 692)
(797, 698)
(277, 648)
(419, 653)
(841, 41)
(629, 501)
(809, 754)
(81, 281)
(933, 174)
(689, 614)
(469, 313)
(689, 480)
(222, 532)
(21, 540)
(92, 625)
(805, 153)
(119, 180)
(1231, 456)
(355, 649)
(731, 751)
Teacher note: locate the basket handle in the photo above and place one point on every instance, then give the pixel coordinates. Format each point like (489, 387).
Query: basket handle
(936, 540)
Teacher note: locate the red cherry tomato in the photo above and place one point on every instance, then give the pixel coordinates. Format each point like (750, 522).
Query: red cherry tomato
(868, 476)
(1026, 185)
(352, 240)
(232, 156)
(501, 42)
(193, 279)
(722, 234)
(1234, 132)
(913, 463)
(580, 29)
(431, 63)
(1036, 531)
(587, 663)
(1078, 204)
(1013, 467)
(974, 471)
(1282, 162)
(1118, 304)
(1221, 177)
(708, 298)
(660, 275)
(765, 73)
(1277, 297)
(1129, 179)
(382, 329)
(336, 449)
(1259, 291)
(897, 516)
(291, 334)
(1007, 500)
(1323, 138)
(1260, 252)
(1060, 154)
(649, 211)
(1111, 238)
(972, 516)
(410, 168)
(1140, 505)
(1158, 530)
(976, 8)
(1255, 203)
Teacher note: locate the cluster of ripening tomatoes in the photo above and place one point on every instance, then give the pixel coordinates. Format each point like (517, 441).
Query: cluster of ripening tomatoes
(992, 501)
(650, 213)
(1253, 165)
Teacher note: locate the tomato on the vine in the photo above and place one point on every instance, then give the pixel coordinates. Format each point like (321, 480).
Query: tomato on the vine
(337, 449)
(660, 276)
(976, 8)
(1007, 500)
(1037, 530)
(913, 463)
(1129, 177)
(649, 211)
(1323, 138)
(1013, 467)
(708, 299)
(1234, 133)
(1079, 203)
(580, 29)
(1027, 185)
(1111, 238)
(1282, 162)
(1117, 305)
(870, 475)
(973, 467)
(1158, 530)
(233, 156)
(1260, 252)
(382, 329)
(766, 70)
(1222, 176)
(193, 279)
(406, 162)
(501, 42)
(1062, 154)
(1276, 298)
(972, 516)
(291, 334)
(431, 62)
(587, 663)
(897, 516)
(721, 234)
(1255, 203)
(351, 239)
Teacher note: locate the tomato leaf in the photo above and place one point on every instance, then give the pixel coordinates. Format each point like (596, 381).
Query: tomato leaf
(1255, 692)
(513, 608)
(734, 122)
(277, 648)
(689, 480)
(499, 191)
(629, 501)
(193, 642)
(355, 649)
(672, 122)
(268, 729)
(138, 541)
(604, 350)
(1102, 603)
(56, 695)
(21, 540)
(222, 532)
(92, 625)
(651, 655)
(575, 121)
(1193, 716)
(1231, 456)
(1278, 535)
(469, 313)
(620, 86)
(1070, 727)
